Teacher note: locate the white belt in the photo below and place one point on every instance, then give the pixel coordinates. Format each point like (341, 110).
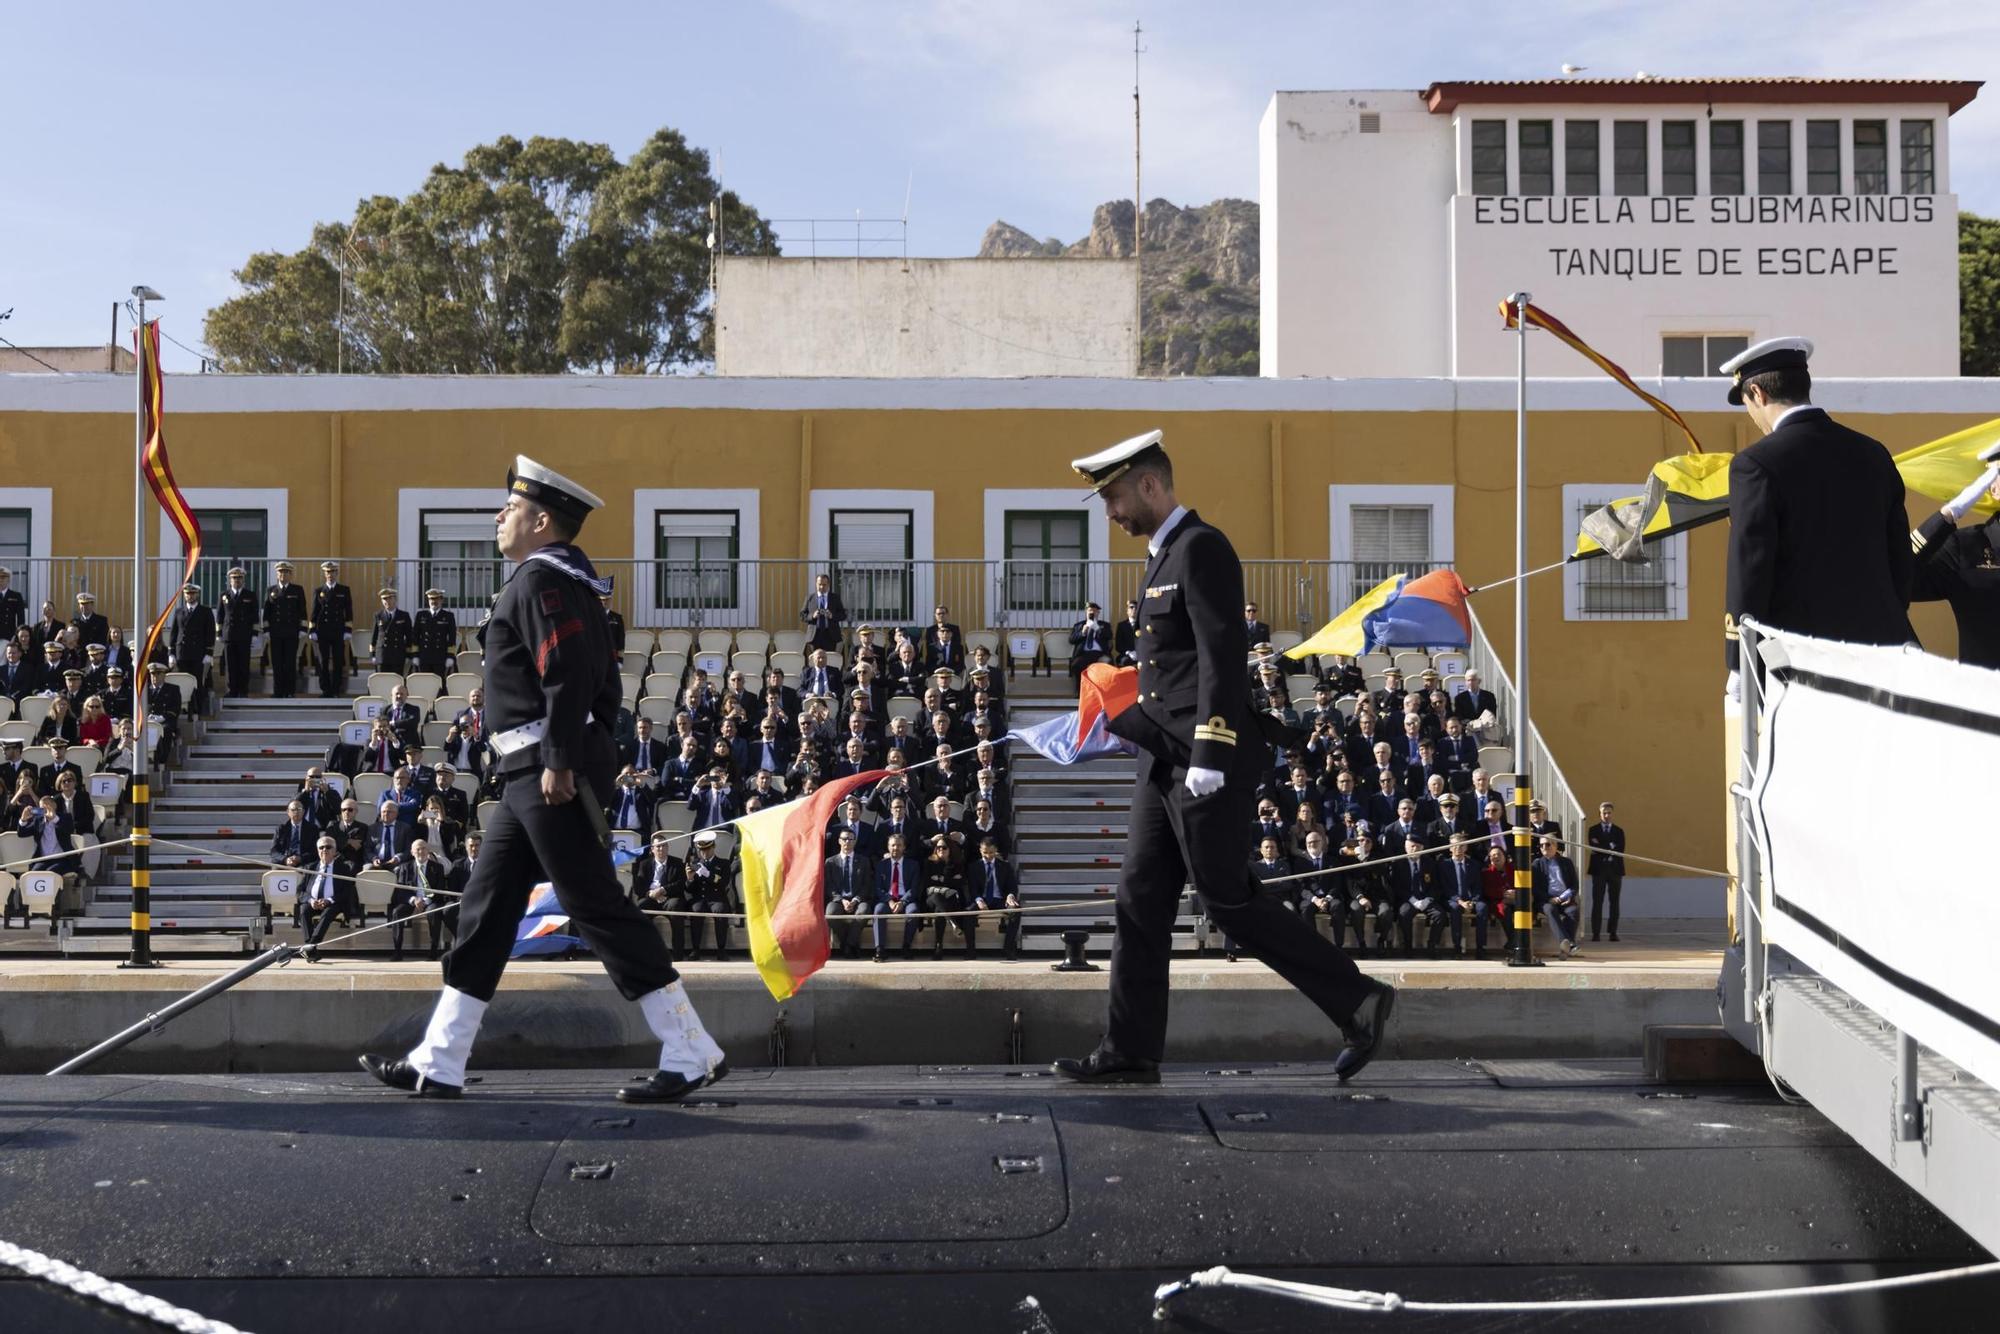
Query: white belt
(527, 734)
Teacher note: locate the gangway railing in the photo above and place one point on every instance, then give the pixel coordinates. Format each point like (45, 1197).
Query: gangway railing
(1861, 970)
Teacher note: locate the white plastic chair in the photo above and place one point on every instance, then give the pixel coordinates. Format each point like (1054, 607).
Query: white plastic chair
(462, 683)
(33, 709)
(661, 685)
(789, 641)
(660, 708)
(676, 641)
(714, 641)
(369, 707)
(749, 662)
(39, 890)
(354, 733)
(367, 790)
(424, 686)
(187, 683)
(281, 892)
(1451, 662)
(670, 662)
(373, 888)
(753, 641)
(791, 663)
(1284, 639)
(711, 661)
(6, 707)
(383, 683)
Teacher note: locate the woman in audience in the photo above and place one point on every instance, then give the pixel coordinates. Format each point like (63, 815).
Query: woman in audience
(94, 728)
(60, 723)
(944, 890)
(118, 653)
(445, 835)
(26, 796)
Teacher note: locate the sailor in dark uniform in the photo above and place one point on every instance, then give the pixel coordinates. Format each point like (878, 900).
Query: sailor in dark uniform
(1958, 565)
(436, 634)
(1201, 755)
(92, 626)
(389, 642)
(1819, 542)
(13, 607)
(239, 609)
(284, 617)
(550, 699)
(331, 626)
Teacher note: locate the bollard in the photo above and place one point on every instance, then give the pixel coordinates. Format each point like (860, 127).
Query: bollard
(1074, 959)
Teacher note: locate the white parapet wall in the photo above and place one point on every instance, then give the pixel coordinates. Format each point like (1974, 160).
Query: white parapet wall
(926, 317)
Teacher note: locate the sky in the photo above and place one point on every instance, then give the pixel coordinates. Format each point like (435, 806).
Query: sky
(166, 144)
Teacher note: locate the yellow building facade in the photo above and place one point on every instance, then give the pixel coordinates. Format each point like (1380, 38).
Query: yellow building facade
(1313, 474)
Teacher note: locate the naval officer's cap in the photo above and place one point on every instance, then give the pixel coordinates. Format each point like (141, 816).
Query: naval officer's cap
(551, 490)
(1773, 354)
(1108, 465)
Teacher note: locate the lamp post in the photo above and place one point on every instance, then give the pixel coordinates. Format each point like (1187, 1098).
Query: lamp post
(142, 832)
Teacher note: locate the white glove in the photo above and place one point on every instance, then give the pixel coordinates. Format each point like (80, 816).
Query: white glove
(1966, 499)
(1201, 782)
(1733, 687)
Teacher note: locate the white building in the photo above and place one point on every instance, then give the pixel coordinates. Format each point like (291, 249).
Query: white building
(1669, 222)
(926, 318)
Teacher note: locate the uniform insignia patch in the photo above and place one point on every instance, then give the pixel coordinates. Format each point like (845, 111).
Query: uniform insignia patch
(551, 601)
(1161, 590)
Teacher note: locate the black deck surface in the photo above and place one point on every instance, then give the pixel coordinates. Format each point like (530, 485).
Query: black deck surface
(961, 1198)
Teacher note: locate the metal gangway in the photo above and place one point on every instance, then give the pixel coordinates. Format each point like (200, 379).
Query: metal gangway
(1864, 964)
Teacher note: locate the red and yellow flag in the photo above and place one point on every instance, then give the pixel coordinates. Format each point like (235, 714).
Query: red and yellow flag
(158, 472)
(1541, 319)
(784, 894)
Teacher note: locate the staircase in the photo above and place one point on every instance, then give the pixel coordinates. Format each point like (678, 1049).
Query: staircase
(226, 797)
(1069, 827)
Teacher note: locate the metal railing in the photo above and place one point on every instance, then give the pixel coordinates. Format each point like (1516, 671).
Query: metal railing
(1548, 780)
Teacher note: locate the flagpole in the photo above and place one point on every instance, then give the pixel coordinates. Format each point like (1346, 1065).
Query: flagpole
(142, 831)
(1523, 954)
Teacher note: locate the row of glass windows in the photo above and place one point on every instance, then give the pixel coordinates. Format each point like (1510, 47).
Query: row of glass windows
(1728, 157)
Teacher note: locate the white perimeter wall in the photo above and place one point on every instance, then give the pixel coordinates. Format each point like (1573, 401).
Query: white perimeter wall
(926, 317)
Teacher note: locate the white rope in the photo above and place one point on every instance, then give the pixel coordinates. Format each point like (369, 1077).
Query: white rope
(97, 1288)
(1352, 1299)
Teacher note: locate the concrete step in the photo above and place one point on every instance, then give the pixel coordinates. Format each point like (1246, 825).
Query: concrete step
(1030, 790)
(173, 943)
(1108, 771)
(247, 878)
(239, 795)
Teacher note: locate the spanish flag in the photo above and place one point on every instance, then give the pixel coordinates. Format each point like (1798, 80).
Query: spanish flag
(158, 472)
(784, 894)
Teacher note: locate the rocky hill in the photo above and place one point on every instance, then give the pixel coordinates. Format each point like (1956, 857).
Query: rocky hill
(1198, 274)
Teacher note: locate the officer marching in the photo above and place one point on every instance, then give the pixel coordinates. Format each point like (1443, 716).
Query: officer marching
(1201, 753)
(284, 618)
(551, 696)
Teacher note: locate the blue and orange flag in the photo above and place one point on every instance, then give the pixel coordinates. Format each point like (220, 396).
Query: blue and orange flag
(158, 472)
(1400, 612)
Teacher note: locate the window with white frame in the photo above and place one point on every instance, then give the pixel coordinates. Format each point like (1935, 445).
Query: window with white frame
(697, 554)
(459, 557)
(1046, 551)
(1603, 589)
(872, 551)
(1377, 531)
(16, 537)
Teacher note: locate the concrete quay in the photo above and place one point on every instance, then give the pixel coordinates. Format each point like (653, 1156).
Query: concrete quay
(305, 1017)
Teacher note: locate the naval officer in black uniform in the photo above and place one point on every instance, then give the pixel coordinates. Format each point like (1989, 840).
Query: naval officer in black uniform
(284, 617)
(1201, 755)
(239, 612)
(1958, 565)
(1819, 542)
(332, 627)
(551, 696)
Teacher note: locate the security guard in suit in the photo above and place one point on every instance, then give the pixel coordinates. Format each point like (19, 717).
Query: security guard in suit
(331, 625)
(1958, 566)
(1201, 756)
(284, 618)
(551, 696)
(435, 633)
(1818, 536)
(389, 642)
(239, 610)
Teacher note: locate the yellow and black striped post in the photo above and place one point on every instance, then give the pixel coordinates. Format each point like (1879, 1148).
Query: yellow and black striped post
(142, 877)
(1522, 955)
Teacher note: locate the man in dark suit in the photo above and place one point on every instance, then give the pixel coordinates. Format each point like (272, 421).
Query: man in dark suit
(1540, 826)
(850, 893)
(293, 842)
(630, 804)
(992, 885)
(1255, 631)
(1321, 895)
(1459, 880)
(899, 892)
(420, 880)
(284, 618)
(317, 796)
(1474, 703)
(163, 701)
(646, 755)
(434, 634)
(326, 886)
(389, 839)
(240, 611)
(405, 719)
(1818, 534)
(1415, 888)
(658, 885)
(1958, 566)
(332, 627)
(1202, 753)
(17, 676)
(13, 607)
(1557, 892)
(824, 613)
(390, 640)
(1273, 870)
(1458, 753)
(1089, 641)
(91, 626)
(1607, 867)
(819, 678)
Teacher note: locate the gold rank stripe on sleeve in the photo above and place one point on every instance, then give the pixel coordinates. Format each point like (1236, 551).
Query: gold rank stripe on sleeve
(1213, 730)
(1916, 540)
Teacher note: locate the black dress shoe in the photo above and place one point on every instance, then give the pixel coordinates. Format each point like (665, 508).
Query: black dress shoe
(1614, 936)
(878, 957)
(1364, 1032)
(403, 1075)
(670, 1086)
(1102, 1067)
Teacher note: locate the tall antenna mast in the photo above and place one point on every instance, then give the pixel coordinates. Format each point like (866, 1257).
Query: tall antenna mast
(1138, 265)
